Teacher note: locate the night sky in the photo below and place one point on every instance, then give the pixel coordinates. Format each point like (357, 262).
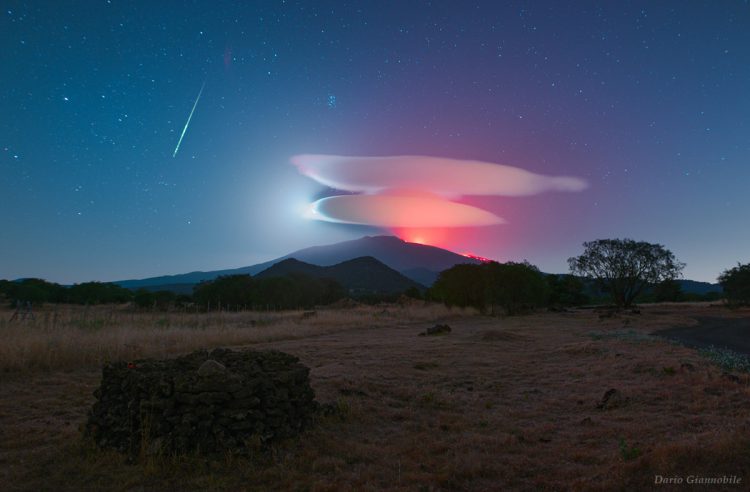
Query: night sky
(648, 102)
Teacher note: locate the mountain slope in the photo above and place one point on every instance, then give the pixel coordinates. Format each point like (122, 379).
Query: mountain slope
(394, 252)
(364, 275)
(419, 262)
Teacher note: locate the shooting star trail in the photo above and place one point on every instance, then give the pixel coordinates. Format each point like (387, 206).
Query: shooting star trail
(174, 154)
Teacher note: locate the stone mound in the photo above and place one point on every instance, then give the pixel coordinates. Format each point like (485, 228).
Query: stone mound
(205, 402)
(436, 330)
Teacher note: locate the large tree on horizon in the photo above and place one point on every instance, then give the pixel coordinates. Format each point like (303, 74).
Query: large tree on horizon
(625, 267)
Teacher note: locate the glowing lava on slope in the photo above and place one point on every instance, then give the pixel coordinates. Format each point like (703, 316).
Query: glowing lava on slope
(476, 257)
(430, 236)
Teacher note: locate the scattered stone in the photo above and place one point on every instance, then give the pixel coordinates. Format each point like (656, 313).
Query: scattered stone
(352, 392)
(204, 402)
(210, 368)
(730, 377)
(436, 330)
(687, 367)
(558, 309)
(612, 399)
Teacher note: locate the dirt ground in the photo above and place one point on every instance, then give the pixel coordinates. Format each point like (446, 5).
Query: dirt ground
(725, 332)
(497, 404)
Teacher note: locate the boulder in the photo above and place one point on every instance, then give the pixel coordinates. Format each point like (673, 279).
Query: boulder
(205, 402)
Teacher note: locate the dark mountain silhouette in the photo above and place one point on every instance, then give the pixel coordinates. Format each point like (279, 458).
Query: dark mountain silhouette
(364, 275)
(419, 262)
(394, 252)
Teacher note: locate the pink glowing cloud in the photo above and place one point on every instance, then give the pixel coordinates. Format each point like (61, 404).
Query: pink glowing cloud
(399, 211)
(411, 192)
(437, 175)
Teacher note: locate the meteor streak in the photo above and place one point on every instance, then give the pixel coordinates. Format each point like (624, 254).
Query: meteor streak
(188, 120)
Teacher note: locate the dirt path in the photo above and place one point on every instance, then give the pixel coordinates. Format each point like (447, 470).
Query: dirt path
(731, 333)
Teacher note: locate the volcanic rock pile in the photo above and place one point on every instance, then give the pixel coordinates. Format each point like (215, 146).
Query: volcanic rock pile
(205, 402)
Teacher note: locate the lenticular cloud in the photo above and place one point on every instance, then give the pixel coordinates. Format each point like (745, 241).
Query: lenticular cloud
(399, 211)
(448, 177)
(417, 191)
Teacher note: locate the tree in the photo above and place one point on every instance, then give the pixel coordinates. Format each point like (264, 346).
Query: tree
(227, 291)
(514, 287)
(35, 290)
(97, 293)
(566, 290)
(143, 298)
(668, 291)
(461, 285)
(736, 284)
(625, 267)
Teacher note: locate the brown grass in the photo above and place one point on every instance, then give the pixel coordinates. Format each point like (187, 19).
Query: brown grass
(70, 337)
(497, 404)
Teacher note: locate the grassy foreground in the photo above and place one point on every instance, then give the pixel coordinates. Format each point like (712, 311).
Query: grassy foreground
(497, 404)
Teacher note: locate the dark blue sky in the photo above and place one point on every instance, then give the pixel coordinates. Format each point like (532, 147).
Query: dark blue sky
(648, 101)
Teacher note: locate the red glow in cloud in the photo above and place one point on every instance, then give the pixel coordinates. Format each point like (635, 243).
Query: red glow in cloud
(399, 211)
(413, 195)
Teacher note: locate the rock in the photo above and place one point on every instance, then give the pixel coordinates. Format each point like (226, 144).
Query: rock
(436, 330)
(612, 399)
(730, 377)
(211, 367)
(687, 367)
(206, 402)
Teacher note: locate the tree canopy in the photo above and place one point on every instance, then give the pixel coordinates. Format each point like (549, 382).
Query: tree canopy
(625, 267)
(510, 286)
(290, 291)
(736, 284)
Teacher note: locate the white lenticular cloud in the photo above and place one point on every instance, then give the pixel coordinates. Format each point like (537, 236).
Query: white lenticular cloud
(399, 211)
(437, 175)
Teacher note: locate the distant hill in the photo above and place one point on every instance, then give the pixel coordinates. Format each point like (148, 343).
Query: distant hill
(419, 262)
(359, 276)
(186, 289)
(695, 287)
(687, 287)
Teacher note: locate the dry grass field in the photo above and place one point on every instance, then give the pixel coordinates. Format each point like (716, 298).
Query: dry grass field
(498, 404)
